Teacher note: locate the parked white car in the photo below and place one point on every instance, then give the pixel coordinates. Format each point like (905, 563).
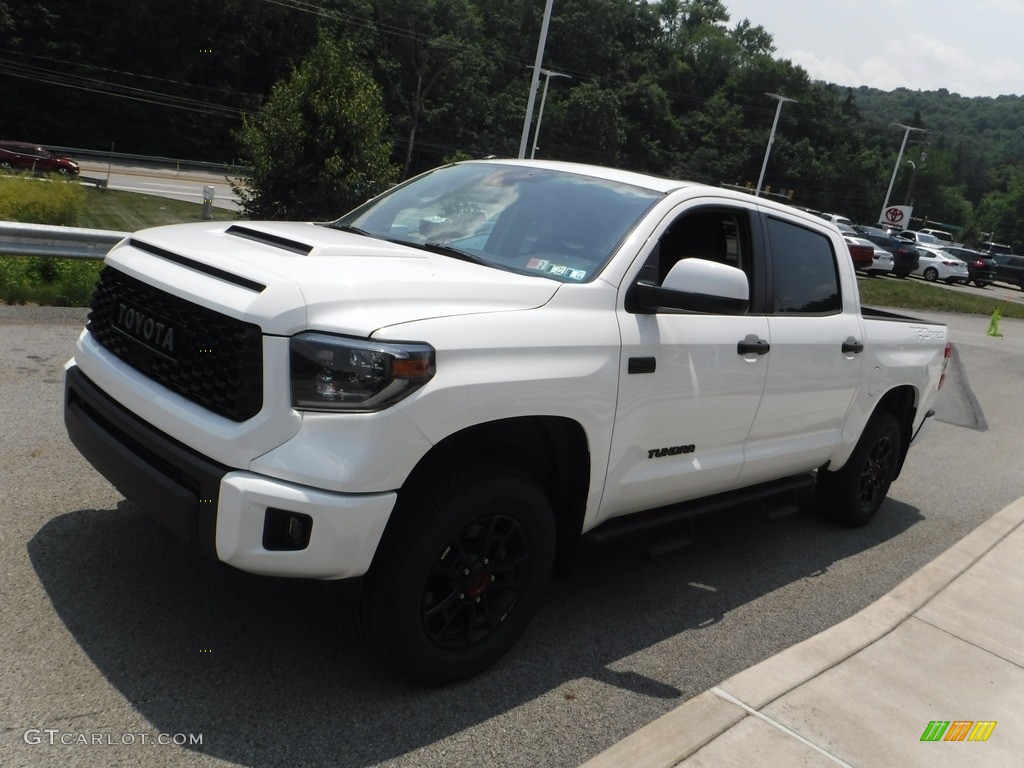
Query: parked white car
(881, 262)
(935, 264)
(921, 238)
(941, 234)
(837, 218)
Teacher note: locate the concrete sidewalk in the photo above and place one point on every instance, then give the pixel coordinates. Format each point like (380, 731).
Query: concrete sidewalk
(947, 644)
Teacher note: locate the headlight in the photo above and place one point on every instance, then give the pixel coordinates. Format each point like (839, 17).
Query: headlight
(334, 373)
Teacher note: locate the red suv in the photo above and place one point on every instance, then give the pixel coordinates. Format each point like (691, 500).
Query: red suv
(19, 155)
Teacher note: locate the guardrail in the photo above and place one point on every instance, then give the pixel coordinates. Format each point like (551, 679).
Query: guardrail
(100, 183)
(156, 161)
(18, 239)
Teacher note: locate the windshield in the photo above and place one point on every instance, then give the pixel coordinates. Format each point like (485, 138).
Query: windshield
(536, 221)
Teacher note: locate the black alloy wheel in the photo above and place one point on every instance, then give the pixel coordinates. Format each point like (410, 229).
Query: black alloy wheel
(876, 472)
(475, 582)
(853, 494)
(460, 572)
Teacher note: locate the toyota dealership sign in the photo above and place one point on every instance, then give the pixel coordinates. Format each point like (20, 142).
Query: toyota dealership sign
(895, 216)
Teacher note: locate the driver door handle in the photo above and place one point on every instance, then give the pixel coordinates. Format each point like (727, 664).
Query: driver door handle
(852, 346)
(752, 345)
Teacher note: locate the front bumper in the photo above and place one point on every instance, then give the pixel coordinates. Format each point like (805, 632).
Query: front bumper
(252, 522)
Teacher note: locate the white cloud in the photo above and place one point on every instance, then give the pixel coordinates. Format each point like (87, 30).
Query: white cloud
(1004, 6)
(969, 48)
(916, 61)
(829, 69)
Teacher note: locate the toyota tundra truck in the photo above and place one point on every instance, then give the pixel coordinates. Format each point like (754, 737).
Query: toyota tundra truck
(445, 392)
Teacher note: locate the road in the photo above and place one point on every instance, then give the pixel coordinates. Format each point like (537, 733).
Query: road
(114, 633)
(172, 183)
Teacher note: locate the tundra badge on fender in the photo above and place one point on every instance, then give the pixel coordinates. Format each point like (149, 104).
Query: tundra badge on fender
(675, 450)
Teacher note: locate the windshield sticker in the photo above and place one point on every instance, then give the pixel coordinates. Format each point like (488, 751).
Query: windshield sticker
(543, 265)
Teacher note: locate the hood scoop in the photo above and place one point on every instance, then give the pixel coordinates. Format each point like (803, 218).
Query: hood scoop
(177, 258)
(266, 238)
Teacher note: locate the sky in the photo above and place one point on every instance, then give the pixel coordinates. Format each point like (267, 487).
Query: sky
(970, 47)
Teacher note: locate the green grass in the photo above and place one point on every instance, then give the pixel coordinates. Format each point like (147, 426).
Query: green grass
(914, 294)
(69, 282)
(129, 211)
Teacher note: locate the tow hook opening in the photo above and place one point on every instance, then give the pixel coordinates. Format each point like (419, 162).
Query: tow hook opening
(285, 531)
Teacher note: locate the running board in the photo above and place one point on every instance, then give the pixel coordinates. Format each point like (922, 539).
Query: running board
(667, 529)
(667, 538)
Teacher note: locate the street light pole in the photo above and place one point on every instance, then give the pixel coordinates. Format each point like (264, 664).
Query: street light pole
(548, 74)
(907, 199)
(899, 157)
(771, 139)
(535, 80)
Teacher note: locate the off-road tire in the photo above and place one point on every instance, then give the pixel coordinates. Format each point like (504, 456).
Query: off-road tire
(460, 572)
(852, 495)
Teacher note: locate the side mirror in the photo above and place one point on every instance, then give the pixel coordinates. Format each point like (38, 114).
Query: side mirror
(696, 285)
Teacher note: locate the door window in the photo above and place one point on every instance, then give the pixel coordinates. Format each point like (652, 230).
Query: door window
(804, 275)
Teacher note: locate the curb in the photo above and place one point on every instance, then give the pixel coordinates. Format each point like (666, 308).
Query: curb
(677, 735)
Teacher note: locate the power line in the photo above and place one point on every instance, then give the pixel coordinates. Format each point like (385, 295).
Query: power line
(17, 57)
(94, 85)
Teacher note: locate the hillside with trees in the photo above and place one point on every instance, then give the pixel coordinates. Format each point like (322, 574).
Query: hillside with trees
(673, 87)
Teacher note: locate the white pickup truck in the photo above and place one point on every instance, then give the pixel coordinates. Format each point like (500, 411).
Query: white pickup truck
(447, 389)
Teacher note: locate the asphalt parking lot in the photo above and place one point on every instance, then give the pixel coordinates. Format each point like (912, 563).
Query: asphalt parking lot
(122, 647)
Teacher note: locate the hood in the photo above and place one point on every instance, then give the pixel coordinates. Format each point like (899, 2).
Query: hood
(289, 276)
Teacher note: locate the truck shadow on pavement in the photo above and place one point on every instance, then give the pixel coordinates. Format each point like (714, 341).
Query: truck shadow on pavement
(272, 674)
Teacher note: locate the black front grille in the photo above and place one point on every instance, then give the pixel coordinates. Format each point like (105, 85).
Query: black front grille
(209, 358)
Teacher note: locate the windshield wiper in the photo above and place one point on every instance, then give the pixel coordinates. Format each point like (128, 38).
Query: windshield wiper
(450, 250)
(353, 230)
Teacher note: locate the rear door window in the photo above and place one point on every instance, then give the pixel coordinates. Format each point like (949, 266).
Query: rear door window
(804, 275)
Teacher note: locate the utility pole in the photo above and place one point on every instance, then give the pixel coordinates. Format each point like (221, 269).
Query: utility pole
(907, 198)
(535, 81)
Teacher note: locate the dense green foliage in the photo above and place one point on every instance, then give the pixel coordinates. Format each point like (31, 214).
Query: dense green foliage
(674, 87)
(315, 150)
(47, 282)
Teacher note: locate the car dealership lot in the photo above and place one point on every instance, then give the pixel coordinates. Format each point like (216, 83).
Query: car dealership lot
(122, 646)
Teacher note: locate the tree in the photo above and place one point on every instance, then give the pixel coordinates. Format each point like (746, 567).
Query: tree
(713, 143)
(430, 56)
(598, 109)
(1001, 211)
(315, 149)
